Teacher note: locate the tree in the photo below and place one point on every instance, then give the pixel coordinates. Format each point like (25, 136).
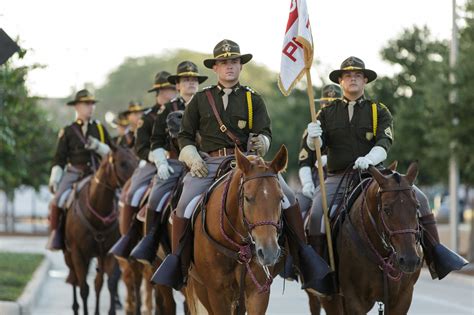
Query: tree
(26, 137)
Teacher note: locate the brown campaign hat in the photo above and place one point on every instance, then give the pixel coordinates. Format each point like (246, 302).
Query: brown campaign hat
(161, 81)
(225, 50)
(83, 96)
(121, 119)
(352, 64)
(134, 107)
(186, 69)
(330, 93)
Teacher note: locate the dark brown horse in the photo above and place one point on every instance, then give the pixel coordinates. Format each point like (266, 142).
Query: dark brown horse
(92, 226)
(379, 246)
(236, 247)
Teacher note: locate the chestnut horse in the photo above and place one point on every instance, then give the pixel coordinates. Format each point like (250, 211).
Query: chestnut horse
(379, 248)
(92, 227)
(236, 236)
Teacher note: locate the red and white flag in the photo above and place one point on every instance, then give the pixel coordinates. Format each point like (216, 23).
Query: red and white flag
(297, 53)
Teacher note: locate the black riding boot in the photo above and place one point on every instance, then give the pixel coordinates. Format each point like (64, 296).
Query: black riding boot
(310, 265)
(145, 251)
(440, 259)
(58, 225)
(173, 271)
(123, 247)
(327, 285)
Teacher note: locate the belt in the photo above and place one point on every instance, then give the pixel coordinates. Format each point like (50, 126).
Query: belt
(222, 152)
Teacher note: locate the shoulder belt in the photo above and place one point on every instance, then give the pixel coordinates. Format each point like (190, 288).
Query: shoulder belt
(374, 119)
(250, 108)
(222, 127)
(101, 131)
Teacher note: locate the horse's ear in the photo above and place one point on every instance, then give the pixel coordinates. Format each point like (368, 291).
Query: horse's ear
(377, 175)
(242, 162)
(393, 166)
(280, 160)
(412, 172)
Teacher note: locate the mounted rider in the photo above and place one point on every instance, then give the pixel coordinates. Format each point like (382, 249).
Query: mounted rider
(225, 115)
(145, 171)
(307, 163)
(80, 147)
(133, 115)
(165, 152)
(358, 132)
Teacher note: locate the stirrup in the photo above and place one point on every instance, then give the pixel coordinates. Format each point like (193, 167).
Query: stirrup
(169, 273)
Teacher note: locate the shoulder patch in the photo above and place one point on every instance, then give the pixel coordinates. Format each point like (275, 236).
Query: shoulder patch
(303, 154)
(61, 133)
(388, 132)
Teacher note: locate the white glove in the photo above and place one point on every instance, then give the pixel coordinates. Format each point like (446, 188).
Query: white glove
(193, 160)
(95, 145)
(164, 169)
(151, 158)
(374, 157)
(314, 131)
(261, 144)
(55, 178)
(324, 160)
(142, 163)
(306, 179)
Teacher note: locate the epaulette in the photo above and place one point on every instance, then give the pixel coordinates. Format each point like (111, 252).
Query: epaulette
(383, 106)
(147, 111)
(248, 88)
(209, 87)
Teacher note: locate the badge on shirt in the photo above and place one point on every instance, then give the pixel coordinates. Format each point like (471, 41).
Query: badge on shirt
(303, 154)
(369, 135)
(388, 132)
(241, 124)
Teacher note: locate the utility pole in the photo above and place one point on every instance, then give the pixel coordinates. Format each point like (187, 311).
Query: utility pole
(453, 166)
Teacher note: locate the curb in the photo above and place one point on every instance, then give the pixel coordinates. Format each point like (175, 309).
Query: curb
(29, 297)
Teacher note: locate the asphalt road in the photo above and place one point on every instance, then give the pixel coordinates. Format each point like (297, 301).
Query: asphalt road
(452, 295)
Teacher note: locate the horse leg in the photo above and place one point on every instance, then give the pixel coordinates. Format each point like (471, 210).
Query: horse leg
(332, 304)
(256, 303)
(221, 302)
(81, 266)
(99, 281)
(75, 305)
(314, 304)
(127, 277)
(196, 298)
(401, 305)
(147, 274)
(113, 275)
(137, 283)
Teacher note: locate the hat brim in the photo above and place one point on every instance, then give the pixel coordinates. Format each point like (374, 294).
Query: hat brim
(209, 63)
(74, 102)
(162, 88)
(173, 79)
(369, 74)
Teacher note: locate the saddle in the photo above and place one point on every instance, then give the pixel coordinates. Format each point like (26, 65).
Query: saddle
(76, 189)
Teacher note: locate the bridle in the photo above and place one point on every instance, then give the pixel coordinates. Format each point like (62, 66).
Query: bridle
(385, 236)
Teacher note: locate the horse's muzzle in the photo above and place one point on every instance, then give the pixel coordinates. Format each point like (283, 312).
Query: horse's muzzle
(408, 263)
(267, 255)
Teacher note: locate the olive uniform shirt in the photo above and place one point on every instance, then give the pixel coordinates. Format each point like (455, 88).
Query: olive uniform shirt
(71, 143)
(199, 116)
(160, 137)
(346, 140)
(143, 132)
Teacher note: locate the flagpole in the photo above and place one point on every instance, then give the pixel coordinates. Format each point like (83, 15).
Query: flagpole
(322, 185)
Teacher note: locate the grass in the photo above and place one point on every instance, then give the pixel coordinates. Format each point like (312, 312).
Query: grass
(16, 270)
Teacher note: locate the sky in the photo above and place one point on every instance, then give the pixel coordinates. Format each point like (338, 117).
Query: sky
(83, 41)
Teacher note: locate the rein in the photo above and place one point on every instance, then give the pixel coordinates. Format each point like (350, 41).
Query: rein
(245, 251)
(386, 264)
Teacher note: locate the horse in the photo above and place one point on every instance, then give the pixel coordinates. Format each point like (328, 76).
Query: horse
(236, 239)
(378, 246)
(92, 227)
(134, 272)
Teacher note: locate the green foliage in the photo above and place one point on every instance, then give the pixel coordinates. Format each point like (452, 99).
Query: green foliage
(26, 137)
(15, 271)
(418, 99)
